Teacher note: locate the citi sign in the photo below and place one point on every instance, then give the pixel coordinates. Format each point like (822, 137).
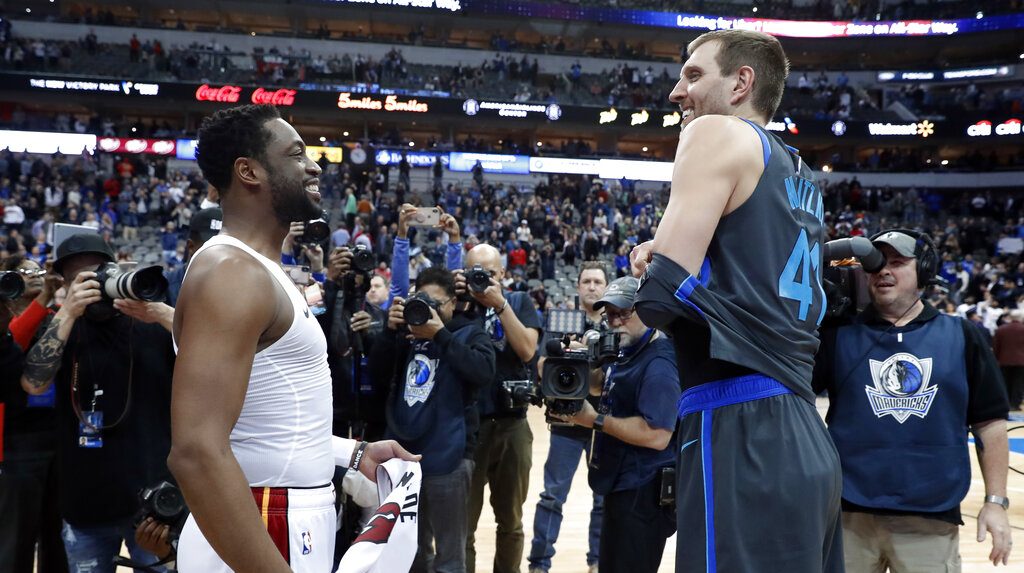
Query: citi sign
(984, 128)
(231, 94)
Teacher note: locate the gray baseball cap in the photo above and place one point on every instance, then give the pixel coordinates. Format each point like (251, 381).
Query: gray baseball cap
(621, 293)
(903, 243)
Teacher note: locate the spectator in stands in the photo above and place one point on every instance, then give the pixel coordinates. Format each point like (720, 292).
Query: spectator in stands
(1008, 345)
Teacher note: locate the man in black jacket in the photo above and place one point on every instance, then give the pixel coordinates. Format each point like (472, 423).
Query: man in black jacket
(432, 409)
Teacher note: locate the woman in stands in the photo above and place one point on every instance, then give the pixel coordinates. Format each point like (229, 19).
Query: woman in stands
(28, 449)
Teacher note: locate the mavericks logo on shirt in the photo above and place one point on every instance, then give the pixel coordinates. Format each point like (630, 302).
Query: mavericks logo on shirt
(419, 379)
(901, 387)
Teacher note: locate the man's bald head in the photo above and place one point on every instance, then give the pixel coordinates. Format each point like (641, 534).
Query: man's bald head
(487, 257)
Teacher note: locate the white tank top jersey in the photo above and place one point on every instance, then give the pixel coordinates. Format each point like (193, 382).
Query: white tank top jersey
(283, 435)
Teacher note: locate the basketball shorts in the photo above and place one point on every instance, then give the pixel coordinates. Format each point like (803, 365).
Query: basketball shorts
(758, 481)
(300, 521)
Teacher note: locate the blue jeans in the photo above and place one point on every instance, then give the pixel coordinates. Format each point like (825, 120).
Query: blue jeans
(563, 459)
(92, 549)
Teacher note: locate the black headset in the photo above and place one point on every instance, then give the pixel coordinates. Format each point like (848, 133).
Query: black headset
(924, 251)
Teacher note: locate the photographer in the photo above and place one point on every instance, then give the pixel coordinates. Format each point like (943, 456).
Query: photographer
(112, 370)
(434, 385)
(503, 456)
(567, 445)
(28, 448)
(905, 385)
(633, 444)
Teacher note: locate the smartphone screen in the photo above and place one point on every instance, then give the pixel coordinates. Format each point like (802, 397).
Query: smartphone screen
(426, 217)
(300, 275)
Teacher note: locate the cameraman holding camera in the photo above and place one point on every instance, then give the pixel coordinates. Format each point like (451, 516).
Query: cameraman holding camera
(567, 445)
(633, 446)
(905, 385)
(431, 407)
(503, 455)
(112, 369)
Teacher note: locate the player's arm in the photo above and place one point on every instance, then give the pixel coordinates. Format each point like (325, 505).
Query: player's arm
(713, 151)
(221, 314)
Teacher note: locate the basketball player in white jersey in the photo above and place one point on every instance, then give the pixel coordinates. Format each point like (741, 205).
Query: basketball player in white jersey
(251, 406)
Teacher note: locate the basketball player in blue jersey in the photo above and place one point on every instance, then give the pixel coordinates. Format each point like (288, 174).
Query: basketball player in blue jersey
(251, 442)
(734, 276)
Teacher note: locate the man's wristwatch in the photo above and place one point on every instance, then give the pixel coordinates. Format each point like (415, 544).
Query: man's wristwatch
(599, 423)
(998, 500)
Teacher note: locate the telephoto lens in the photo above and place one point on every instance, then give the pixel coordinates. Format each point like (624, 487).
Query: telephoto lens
(11, 285)
(148, 284)
(317, 231)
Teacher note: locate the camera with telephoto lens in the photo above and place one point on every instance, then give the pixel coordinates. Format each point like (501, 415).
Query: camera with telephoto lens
(478, 279)
(565, 380)
(316, 231)
(417, 309)
(516, 394)
(11, 285)
(363, 259)
(146, 284)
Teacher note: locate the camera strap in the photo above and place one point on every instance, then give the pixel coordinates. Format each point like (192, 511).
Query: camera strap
(76, 400)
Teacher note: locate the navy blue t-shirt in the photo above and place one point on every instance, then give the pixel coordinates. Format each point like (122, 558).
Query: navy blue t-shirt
(647, 385)
(508, 364)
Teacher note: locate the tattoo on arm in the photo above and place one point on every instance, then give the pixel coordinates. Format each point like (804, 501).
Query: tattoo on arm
(43, 360)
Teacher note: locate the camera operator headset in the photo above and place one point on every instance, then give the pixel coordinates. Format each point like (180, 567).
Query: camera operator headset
(503, 453)
(905, 384)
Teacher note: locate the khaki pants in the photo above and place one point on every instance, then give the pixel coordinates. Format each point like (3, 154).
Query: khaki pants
(503, 459)
(901, 544)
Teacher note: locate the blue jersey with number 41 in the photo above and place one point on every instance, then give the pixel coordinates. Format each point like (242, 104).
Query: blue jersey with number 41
(759, 290)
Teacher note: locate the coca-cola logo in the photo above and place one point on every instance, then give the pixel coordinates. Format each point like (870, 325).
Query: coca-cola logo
(275, 97)
(223, 94)
(136, 145)
(110, 144)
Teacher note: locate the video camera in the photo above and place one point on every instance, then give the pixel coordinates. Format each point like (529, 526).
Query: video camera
(845, 282)
(565, 380)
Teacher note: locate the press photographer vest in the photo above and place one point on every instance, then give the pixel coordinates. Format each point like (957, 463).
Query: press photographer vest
(899, 415)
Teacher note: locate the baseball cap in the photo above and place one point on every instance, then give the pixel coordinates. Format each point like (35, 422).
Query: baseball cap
(621, 293)
(903, 243)
(206, 223)
(81, 244)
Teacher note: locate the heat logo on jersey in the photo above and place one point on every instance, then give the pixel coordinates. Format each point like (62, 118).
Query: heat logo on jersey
(419, 379)
(378, 529)
(901, 387)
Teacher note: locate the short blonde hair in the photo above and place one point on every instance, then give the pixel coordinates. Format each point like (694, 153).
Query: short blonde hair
(763, 53)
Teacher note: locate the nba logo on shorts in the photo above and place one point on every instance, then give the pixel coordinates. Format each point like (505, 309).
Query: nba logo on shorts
(307, 543)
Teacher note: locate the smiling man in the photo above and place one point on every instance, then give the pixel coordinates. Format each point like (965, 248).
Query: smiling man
(251, 441)
(734, 275)
(905, 384)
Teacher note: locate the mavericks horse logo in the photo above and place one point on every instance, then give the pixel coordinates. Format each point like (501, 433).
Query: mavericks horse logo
(901, 387)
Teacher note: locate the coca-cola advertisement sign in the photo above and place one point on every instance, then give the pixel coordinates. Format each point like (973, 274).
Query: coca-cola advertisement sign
(136, 145)
(273, 97)
(222, 94)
